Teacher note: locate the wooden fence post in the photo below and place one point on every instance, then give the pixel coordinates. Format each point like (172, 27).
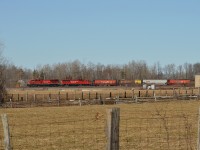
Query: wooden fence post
(113, 117)
(198, 140)
(199, 93)
(34, 98)
(139, 94)
(136, 99)
(80, 102)
(18, 97)
(67, 96)
(132, 94)
(125, 94)
(82, 95)
(59, 98)
(26, 96)
(154, 95)
(89, 95)
(117, 99)
(74, 95)
(49, 99)
(7, 143)
(11, 104)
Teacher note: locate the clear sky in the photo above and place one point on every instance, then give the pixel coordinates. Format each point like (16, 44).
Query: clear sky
(100, 31)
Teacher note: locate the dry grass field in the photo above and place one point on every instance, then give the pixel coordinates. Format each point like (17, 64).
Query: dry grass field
(153, 126)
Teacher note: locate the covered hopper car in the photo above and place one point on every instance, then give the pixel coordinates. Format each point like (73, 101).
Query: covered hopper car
(156, 82)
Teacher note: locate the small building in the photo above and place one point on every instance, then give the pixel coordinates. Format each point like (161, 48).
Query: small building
(197, 81)
(20, 83)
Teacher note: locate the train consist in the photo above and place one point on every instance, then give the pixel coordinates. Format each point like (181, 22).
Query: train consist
(145, 83)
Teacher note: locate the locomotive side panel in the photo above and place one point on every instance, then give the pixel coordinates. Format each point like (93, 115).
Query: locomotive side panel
(75, 82)
(38, 82)
(32, 83)
(54, 82)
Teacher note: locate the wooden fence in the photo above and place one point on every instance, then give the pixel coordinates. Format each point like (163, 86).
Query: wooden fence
(81, 97)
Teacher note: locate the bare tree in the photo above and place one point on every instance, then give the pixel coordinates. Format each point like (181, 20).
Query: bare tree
(196, 67)
(180, 72)
(2, 76)
(99, 71)
(159, 71)
(170, 71)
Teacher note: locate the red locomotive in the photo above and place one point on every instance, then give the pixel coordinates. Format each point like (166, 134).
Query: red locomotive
(39, 82)
(76, 83)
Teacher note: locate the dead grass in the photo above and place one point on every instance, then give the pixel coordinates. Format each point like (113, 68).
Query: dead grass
(164, 125)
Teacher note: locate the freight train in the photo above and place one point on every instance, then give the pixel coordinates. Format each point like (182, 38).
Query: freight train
(56, 82)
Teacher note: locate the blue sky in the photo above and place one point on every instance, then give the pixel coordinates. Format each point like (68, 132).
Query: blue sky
(108, 31)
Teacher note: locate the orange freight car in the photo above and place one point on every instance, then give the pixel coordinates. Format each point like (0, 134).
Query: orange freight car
(105, 82)
(178, 82)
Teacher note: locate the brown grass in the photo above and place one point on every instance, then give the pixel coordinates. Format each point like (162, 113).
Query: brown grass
(164, 125)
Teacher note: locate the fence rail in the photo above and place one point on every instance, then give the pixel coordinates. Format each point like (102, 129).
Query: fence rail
(82, 97)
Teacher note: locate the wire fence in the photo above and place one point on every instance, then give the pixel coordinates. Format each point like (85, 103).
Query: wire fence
(165, 126)
(158, 133)
(59, 135)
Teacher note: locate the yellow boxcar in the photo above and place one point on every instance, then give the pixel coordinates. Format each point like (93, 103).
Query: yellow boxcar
(138, 81)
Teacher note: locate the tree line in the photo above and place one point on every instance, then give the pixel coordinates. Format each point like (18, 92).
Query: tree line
(77, 70)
